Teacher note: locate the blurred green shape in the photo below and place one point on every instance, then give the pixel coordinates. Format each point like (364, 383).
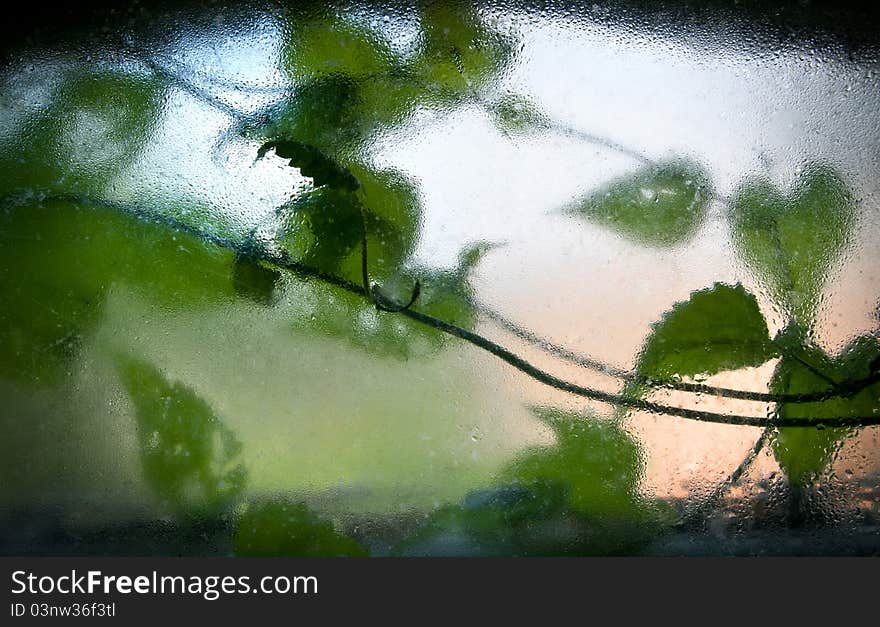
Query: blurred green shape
(578, 496)
(350, 86)
(393, 213)
(328, 45)
(189, 457)
(804, 453)
(323, 112)
(324, 227)
(340, 114)
(659, 205)
(445, 293)
(58, 261)
(496, 521)
(277, 528)
(791, 241)
(516, 114)
(255, 281)
(95, 125)
(458, 52)
(597, 461)
(717, 328)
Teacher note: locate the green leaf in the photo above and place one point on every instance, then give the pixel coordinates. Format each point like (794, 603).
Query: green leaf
(58, 261)
(393, 212)
(312, 163)
(804, 453)
(338, 113)
(718, 328)
(659, 205)
(458, 52)
(791, 241)
(388, 100)
(278, 528)
(350, 85)
(576, 497)
(190, 458)
(515, 114)
(328, 45)
(324, 112)
(596, 460)
(324, 227)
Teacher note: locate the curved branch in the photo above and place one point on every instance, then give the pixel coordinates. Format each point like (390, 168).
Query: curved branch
(386, 304)
(846, 389)
(282, 261)
(373, 292)
(190, 88)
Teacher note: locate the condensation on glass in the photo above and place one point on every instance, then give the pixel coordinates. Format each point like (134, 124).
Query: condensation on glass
(449, 280)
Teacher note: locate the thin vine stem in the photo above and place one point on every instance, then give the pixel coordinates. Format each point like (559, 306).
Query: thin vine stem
(189, 87)
(374, 292)
(384, 303)
(698, 513)
(845, 389)
(282, 261)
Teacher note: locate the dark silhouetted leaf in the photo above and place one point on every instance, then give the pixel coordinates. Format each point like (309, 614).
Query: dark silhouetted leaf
(313, 163)
(323, 228)
(254, 280)
(791, 241)
(659, 205)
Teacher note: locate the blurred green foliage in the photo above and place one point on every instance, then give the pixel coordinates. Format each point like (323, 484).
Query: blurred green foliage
(578, 496)
(324, 228)
(792, 241)
(804, 453)
(458, 52)
(94, 126)
(659, 205)
(189, 457)
(596, 460)
(281, 528)
(351, 84)
(515, 114)
(58, 261)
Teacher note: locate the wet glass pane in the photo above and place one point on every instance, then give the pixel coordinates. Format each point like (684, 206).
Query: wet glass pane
(442, 279)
